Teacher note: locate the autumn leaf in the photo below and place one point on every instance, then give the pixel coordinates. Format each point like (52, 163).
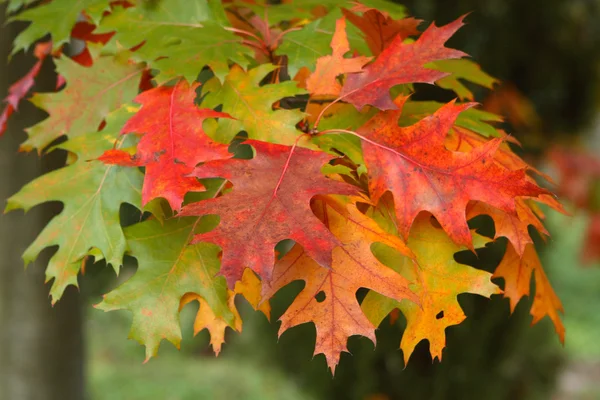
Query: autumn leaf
(324, 80)
(353, 266)
(84, 31)
(401, 63)
(463, 69)
(250, 287)
(270, 202)
(56, 18)
(306, 9)
(108, 84)
(169, 268)
(92, 194)
(179, 37)
(251, 106)
(303, 47)
(430, 276)
(514, 227)
(475, 120)
(413, 163)
(516, 272)
(15, 5)
(18, 90)
(206, 319)
(173, 142)
(379, 30)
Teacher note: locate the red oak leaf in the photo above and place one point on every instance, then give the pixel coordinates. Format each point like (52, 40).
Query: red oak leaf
(270, 202)
(173, 142)
(423, 175)
(380, 29)
(516, 272)
(20, 88)
(324, 80)
(401, 63)
(84, 31)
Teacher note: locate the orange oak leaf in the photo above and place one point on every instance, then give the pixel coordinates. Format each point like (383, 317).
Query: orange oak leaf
(516, 272)
(401, 63)
(324, 80)
(439, 307)
(18, 90)
(379, 29)
(270, 202)
(339, 315)
(249, 287)
(173, 142)
(423, 175)
(206, 319)
(514, 227)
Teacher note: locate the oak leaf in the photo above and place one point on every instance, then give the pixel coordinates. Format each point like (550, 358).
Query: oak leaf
(179, 37)
(108, 84)
(270, 202)
(462, 69)
(56, 18)
(401, 63)
(413, 163)
(514, 227)
(379, 29)
(303, 47)
(18, 90)
(516, 271)
(250, 287)
(251, 106)
(434, 255)
(323, 81)
(173, 142)
(169, 268)
(353, 266)
(92, 194)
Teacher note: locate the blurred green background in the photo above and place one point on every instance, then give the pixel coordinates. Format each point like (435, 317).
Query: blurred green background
(550, 51)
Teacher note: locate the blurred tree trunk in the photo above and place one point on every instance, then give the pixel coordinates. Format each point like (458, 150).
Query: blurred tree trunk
(41, 348)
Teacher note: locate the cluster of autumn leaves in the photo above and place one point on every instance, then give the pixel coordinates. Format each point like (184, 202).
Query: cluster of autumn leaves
(375, 189)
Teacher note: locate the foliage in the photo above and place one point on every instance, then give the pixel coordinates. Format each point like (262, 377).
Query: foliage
(375, 188)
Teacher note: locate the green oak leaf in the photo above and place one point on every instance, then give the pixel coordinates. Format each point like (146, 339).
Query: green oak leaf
(462, 69)
(180, 37)
(395, 10)
(90, 94)
(92, 194)
(303, 9)
(343, 116)
(15, 5)
(56, 18)
(472, 119)
(252, 106)
(169, 268)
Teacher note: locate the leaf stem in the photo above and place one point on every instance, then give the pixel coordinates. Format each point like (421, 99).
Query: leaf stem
(318, 120)
(333, 131)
